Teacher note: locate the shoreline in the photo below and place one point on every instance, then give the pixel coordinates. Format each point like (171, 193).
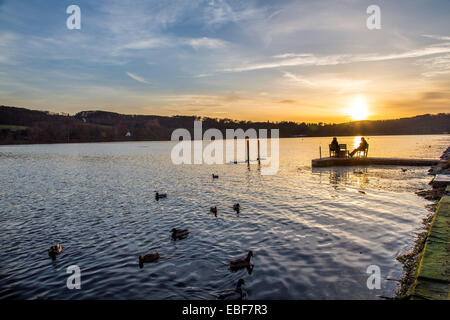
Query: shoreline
(425, 277)
(146, 140)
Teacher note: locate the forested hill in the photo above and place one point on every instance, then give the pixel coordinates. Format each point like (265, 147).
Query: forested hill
(20, 125)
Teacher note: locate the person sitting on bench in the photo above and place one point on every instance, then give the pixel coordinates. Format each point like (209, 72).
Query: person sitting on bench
(334, 146)
(362, 147)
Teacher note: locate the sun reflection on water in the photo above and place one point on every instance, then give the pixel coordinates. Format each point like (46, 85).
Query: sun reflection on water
(356, 142)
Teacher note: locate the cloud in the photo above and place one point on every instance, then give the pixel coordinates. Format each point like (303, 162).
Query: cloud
(432, 36)
(294, 78)
(167, 42)
(307, 59)
(206, 43)
(291, 55)
(147, 44)
(435, 95)
(287, 101)
(444, 48)
(219, 12)
(233, 96)
(7, 41)
(328, 82)
(137, 78)
(202, 75)
(435, 66)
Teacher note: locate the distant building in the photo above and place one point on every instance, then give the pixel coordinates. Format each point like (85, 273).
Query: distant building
(128, 134)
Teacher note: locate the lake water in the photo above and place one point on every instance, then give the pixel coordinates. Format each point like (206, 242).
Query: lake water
(312, 232)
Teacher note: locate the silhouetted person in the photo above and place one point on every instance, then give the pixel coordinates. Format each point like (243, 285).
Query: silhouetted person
(362, 146)
(334, 146)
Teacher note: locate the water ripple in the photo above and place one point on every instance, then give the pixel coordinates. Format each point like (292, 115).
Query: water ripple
(313, 232)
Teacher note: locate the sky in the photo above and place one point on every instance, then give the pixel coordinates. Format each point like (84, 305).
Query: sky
(312, 61)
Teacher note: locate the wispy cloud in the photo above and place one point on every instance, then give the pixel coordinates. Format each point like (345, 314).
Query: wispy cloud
(206, 43)
(147, 44)
(287, 101)
(436, 37)
(219, 12)
(294, 78)
(330, 82)
(307, 59)
(427, 51)
(7, 40)
(435, 66)
(137, 78)
(167, 42)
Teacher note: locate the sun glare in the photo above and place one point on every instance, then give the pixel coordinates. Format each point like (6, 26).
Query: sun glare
(358, 109)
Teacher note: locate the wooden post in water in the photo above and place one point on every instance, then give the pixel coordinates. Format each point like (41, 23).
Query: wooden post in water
(248, 151)
(259, 154)
(320, 151)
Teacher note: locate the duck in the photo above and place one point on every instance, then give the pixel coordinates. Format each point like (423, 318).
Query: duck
(236, 207)
(160, 195)
(404, 170)
(179, 233)
(215, 176)
(235, 294)
(150, 257)
(54, 250)
(213, 210)
(242, 263)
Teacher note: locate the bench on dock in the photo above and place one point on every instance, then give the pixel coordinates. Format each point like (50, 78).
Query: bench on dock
(343, 152)
(362, 153)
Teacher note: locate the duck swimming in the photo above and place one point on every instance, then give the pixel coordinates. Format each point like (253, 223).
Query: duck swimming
(54, 250)
(213, 210)
(215, 176)
(236, 207)
(242, 263)
(235, 294)
(150, 257)
(179, 233)
(160, 195)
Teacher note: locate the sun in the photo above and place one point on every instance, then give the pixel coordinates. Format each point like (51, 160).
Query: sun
(358, 109)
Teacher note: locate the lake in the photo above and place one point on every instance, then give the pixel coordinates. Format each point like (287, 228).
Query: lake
(313, 232)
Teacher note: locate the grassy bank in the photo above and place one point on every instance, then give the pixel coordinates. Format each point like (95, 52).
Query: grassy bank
(427, 266)
(433, 273)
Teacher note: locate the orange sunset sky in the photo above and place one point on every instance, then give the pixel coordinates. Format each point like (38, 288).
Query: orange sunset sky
(245, 60)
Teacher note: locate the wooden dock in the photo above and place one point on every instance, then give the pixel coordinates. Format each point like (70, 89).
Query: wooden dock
(333, 162)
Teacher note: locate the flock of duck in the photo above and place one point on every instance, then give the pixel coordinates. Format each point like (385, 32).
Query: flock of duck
(177, 234)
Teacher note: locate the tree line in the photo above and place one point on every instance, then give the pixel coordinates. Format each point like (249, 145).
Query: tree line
(20, 125)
